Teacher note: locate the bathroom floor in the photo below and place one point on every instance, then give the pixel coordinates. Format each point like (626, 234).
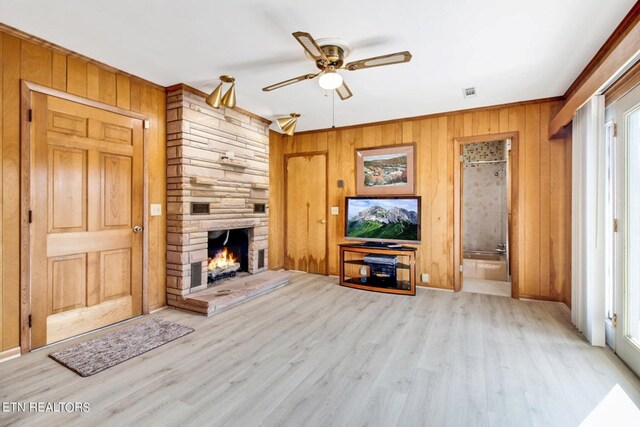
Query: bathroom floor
(490, 287)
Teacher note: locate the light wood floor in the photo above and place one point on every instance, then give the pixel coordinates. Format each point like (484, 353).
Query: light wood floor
(313, 353)
(489, 287)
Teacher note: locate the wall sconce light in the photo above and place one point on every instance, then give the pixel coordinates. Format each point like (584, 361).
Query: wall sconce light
(215, 99)
(288, 124)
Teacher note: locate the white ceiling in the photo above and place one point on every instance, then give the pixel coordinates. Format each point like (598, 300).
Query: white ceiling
(510, 50)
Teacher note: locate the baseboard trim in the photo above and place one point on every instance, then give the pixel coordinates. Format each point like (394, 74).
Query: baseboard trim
(434, 288)
(538, 298)
(12, 353)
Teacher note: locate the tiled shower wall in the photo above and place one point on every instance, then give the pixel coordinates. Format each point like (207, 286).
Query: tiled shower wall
(484, 196)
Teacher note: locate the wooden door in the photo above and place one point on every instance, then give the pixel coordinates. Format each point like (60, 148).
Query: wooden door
(86, 199)
(306, 213)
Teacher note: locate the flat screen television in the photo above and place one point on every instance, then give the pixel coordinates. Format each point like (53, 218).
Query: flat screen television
(383, 219)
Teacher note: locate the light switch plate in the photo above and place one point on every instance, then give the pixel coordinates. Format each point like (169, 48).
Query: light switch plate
(425, 277)
(335, 210)
(156, 209)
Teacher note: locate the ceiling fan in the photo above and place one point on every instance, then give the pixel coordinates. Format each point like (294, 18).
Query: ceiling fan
(329, 57)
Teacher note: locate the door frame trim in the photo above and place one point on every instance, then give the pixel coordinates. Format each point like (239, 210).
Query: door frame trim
(26, 89)
(512, 206)
(286, 180)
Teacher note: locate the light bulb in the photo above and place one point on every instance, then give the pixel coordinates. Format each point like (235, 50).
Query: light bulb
(330, 80)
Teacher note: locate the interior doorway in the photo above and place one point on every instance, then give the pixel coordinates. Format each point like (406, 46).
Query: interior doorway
(83, 246)
(484, 238)
(306, 212)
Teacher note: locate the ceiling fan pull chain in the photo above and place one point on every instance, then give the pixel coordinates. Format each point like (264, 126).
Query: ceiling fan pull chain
(333, 109)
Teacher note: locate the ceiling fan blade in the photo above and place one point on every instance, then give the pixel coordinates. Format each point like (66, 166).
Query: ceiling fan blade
(343, 91)
(377, 61)
(310, 45)
(289, 82)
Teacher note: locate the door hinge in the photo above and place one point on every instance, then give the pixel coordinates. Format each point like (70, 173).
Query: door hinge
(30, 114)
(461, 268)
(30, 321)
(461, 159)
(508, 145)
(147, 124)
(615, 225)
(615, 130)
(614, 320)
(30, 216)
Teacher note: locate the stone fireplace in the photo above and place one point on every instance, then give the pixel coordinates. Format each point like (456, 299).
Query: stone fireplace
(217, 190)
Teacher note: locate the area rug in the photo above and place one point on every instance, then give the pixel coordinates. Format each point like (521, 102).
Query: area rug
(90, 357)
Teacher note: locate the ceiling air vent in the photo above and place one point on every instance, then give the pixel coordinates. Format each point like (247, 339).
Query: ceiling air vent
(469, 92)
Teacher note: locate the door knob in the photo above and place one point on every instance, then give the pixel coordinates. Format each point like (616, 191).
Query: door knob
(323, 221)
(137, 229)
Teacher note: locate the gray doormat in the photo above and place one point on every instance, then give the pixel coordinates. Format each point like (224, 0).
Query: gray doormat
(90, 357)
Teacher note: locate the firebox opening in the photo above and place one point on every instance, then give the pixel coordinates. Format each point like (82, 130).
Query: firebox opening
(228, 252)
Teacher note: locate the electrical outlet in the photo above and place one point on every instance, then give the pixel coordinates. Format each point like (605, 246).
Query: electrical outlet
(335, 210)
(156, 209)
(424, 277)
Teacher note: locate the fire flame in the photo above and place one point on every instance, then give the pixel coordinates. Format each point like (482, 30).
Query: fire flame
(223, 259)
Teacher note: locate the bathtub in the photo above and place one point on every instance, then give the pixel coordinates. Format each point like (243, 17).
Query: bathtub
(486, 265)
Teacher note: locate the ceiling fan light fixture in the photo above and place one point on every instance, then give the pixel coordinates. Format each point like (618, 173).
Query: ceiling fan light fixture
(288, 124)
(215, 98)
(330, 80)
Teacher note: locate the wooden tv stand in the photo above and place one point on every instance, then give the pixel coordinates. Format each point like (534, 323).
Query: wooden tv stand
(356, 273)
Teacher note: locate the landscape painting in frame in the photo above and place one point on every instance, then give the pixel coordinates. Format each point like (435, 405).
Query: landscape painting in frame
(385, 170)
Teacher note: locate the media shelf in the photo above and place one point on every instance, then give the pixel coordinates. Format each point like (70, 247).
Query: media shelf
(378, 275)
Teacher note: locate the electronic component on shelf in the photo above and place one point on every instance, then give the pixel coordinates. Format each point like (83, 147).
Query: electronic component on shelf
(380, 259)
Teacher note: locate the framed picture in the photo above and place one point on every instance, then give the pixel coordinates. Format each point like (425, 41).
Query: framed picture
(386, 170)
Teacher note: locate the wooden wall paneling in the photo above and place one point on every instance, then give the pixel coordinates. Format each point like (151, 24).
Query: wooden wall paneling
(76, 76)
(135, 96)
(546, 289)
(504, 120)
(424, 188)
(36, 63)
(59, 71)
(155, 104)
(11, 61)
(531, 243)
(159, 163)
(446, 139)
(494, 120)
(93, 82)
(1, 192)
(276, 200)
(538, 190)
(123, 92)
(372, 136)
(516, 123)
(107, 87)
(514, 207)
(439, 234)
(334, 195)
(481, 123)
(407, 132)
(389, 134)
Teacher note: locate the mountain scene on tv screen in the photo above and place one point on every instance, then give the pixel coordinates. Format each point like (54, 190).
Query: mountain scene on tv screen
(385, 170)
(378, 222)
